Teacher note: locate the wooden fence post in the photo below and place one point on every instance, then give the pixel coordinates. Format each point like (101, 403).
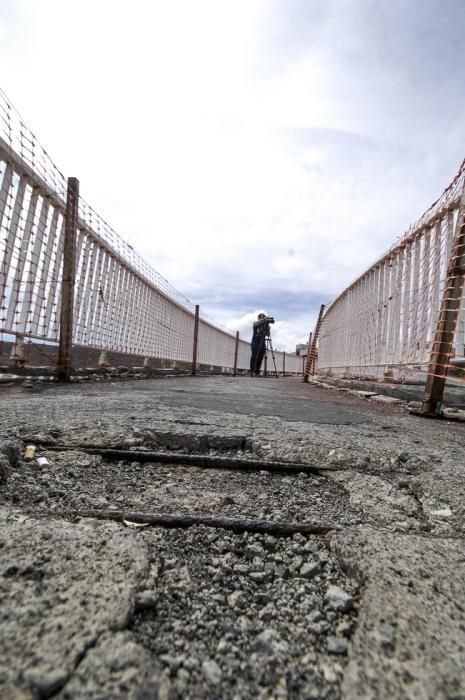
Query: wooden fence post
(67, 282)
(236, 350)
(196, 341)
(447, 320)
(311, 352)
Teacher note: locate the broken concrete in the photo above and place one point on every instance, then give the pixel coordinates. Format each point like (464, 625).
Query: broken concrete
(410, 638)
(61, 588)
(215, 614)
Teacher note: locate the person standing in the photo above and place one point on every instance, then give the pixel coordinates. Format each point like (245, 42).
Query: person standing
(261, 329)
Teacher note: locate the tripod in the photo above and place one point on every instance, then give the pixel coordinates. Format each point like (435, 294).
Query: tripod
(269, 344)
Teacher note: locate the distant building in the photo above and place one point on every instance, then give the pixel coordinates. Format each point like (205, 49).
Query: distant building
(301, 349)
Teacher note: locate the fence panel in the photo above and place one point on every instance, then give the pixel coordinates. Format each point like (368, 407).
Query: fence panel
(385, 321)
(121, 304)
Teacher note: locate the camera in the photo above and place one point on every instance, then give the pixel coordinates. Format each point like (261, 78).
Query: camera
(269, 319)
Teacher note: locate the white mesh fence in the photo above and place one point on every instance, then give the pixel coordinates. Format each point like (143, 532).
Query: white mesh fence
(386, 319)
(121, 303)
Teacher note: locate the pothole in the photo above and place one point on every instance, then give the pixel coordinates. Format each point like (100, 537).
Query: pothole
(138, 481)
(196, 442)
(235, 616)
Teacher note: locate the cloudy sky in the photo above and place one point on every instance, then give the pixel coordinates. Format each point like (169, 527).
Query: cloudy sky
(258, 153)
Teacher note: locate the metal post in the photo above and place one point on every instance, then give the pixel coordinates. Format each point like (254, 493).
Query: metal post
(284, 363)
(447, 320)
(311, 352)
(196, 341)
(236, 350)
(304, 357)
(67, 282)
(265, 369)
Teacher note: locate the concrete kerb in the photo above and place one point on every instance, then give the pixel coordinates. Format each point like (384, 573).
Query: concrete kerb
(454, 397)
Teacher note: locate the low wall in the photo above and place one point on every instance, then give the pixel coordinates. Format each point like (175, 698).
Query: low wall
(43, 355)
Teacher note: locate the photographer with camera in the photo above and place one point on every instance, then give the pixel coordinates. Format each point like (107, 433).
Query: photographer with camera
(261, 331)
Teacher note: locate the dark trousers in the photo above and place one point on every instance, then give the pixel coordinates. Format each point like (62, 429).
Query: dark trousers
(258, 353)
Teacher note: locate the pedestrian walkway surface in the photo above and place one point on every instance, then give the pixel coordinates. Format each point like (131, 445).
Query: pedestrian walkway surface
(361, 597)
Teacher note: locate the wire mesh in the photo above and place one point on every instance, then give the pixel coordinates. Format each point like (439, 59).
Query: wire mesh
(384, 322)
(121, 303)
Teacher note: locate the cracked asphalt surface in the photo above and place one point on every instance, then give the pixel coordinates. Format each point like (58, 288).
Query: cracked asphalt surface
(102, 609)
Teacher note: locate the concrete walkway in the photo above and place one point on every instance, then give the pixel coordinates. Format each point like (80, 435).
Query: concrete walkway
(96, 609)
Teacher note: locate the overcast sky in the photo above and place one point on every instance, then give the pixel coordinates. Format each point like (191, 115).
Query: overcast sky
(259, 153)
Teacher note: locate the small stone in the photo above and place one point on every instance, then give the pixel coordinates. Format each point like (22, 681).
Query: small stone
(311, 546)
(235, 599)
(145, 600)
(309, 659)
(442, 512)
(190, 663)
(386, 635)
(281, 571)
(297, 562)
(47, 682)
(211, 671)
(258, 576)
(310, 569)
(183, 675)
(329, 673)
(337, 645)
(344, 628)
(315, 616)
(253, 550)
(240, 569)
(265, 614)
(323, 556)
(244, 623)
(269, 641)
(174, 662)
(338, 599)
(223, 646)
(218, 598)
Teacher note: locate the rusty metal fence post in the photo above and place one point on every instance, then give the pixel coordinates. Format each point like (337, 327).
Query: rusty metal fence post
(447, 321)
(304, 357)
(196, 341)
(236, 350)
(284, 363)
(311, 352)
(67, 282)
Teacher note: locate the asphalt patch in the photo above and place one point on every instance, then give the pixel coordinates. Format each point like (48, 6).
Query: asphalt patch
(292, 409)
